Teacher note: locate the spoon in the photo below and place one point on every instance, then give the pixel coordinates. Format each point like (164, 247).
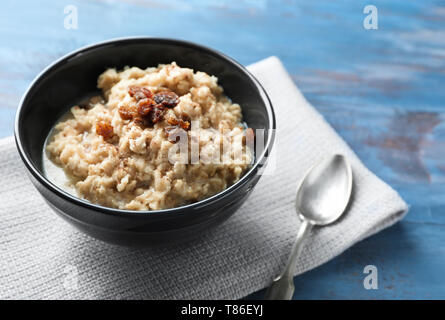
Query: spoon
(321, 199)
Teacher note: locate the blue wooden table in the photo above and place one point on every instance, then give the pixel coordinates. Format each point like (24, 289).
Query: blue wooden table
(382, 90)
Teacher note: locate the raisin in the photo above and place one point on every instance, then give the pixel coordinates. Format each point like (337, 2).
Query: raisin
(105, 129)
(167, 98)
(140, 93)
(140, 122)
(156, 114)
(184, 124)
(145, 106)
(150, 109)
(172, 121)
(147, 92)
(126, 112)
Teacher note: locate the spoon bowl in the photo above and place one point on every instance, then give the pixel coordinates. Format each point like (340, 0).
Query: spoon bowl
(325, 191)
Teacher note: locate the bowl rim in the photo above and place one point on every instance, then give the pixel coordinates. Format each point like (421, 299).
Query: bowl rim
(142, 213)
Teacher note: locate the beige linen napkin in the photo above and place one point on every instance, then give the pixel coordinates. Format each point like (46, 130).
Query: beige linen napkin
(43, 257)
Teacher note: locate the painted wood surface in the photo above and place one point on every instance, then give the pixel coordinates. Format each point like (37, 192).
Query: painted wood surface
(382, 90)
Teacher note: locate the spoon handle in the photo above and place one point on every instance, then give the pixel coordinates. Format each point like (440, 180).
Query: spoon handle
(282, 288)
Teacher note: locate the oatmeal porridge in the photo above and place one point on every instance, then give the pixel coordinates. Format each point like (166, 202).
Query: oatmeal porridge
(155, 139)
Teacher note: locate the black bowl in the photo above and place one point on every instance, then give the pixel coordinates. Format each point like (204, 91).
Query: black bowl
(73, 76)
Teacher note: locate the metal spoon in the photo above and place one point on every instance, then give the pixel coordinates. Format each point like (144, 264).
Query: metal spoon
(321, 199)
